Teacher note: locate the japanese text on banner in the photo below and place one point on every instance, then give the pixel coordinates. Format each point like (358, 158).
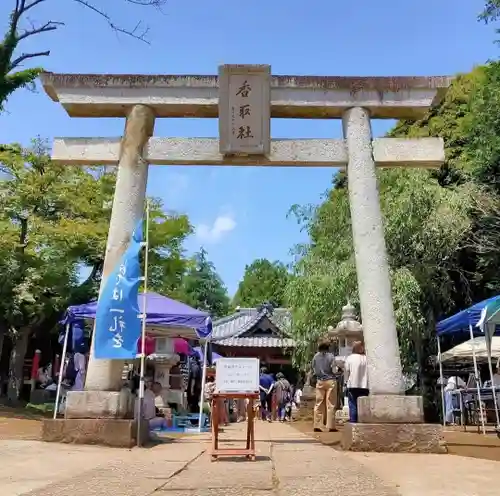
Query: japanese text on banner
(118, 327)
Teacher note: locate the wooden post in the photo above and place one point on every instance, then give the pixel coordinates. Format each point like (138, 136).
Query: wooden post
(249, 450)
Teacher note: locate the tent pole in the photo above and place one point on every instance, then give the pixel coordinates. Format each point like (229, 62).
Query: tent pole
(61, 370)
(488, 337)
(203, 380)
(143, 332)
(443, 406)
(476, 373)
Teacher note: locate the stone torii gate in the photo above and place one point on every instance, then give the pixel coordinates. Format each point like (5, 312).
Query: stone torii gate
(245, 98)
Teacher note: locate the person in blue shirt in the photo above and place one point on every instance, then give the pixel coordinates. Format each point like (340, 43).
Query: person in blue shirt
(266, 384)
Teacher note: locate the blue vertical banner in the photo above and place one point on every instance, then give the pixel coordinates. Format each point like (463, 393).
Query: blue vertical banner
(117, 323)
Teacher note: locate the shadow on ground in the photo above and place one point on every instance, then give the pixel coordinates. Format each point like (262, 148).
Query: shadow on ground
(277, 441)
(470, 444)
(242, 459)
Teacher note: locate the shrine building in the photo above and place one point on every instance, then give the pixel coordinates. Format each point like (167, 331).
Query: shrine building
(261, 332)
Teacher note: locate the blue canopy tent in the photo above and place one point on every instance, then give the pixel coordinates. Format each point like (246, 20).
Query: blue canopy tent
(474, 321)
(165, 317)
(462, 321)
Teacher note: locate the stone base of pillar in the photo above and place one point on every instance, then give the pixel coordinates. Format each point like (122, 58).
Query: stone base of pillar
(100, 405)
(390, 409)
(394, 438)
(392, 423)
(107, 432)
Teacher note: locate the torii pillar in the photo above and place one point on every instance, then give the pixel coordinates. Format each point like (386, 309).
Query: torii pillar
(388, 420)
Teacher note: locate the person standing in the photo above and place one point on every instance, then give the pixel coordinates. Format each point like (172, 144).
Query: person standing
(283, 395)
(80, 366)
(297, 397)
(266, 384)
(208, 395)
(452, 384)
(323, 365)
(356, 378)
(241, 407)
(194, 384)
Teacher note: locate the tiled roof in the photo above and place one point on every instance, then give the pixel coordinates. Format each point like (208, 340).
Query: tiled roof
(230, 330)
(234, 324)
(258, 342)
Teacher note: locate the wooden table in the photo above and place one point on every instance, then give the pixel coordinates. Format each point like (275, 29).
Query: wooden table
(217, 404)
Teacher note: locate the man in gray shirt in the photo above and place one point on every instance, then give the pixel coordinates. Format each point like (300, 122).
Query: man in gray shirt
(323, 367)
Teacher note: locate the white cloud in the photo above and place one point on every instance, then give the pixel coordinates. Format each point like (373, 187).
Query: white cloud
(214, 233)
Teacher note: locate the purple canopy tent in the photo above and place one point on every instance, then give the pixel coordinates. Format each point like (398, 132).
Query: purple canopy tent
(164, 317)
(161, 312)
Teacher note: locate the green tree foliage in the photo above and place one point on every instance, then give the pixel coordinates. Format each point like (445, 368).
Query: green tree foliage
(263, 281)
(20, 29)
(202, 287)
(441, 228)
(491, 12)
(167, 257)
(54, 222)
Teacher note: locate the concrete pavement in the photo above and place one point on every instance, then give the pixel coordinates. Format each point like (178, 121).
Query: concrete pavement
(288, 463)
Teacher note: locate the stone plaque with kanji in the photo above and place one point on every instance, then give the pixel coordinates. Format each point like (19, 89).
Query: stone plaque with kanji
(244, 109)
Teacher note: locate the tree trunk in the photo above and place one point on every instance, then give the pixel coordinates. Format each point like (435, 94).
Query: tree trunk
(3, 331)
(19, 348)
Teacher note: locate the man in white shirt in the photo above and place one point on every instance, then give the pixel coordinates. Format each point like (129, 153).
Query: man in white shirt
(452, 384)
(496, 375)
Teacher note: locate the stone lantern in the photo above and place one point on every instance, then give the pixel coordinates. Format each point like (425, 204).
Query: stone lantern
(347, 331)
(342, 337)
(164, 359)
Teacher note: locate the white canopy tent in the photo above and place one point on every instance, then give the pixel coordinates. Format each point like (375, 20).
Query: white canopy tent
(464, 352)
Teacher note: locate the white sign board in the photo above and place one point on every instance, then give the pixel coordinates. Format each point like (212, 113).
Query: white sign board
(237, 375)
(244, 109)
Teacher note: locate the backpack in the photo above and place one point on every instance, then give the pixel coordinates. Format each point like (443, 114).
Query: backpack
(287, 393)
(71, 372)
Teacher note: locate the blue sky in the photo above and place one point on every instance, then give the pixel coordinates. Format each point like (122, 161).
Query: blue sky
(240, 213)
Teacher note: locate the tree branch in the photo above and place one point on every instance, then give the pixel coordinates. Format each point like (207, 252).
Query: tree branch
(48, 26)
(24, 8)
(10, 80)
(137, 32)
(26, 56)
